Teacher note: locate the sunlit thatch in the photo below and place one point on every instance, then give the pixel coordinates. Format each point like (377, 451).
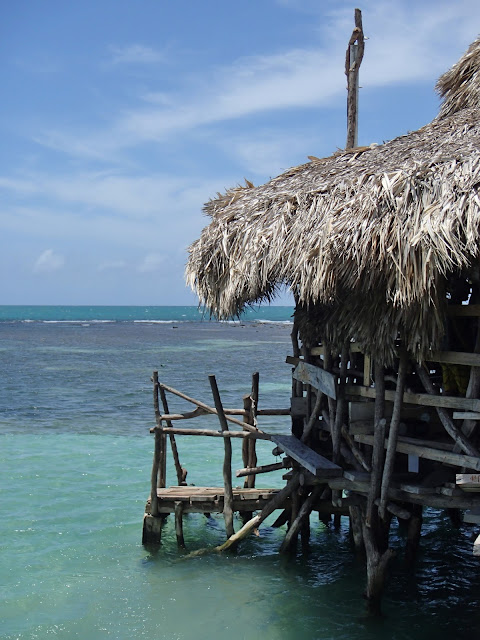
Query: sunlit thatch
(365, 238)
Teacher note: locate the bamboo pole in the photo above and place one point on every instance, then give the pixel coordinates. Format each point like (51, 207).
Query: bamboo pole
(227, 462)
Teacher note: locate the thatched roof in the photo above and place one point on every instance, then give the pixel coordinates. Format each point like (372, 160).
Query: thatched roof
(365, 238)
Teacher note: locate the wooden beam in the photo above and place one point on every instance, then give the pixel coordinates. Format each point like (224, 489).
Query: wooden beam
(468, 481)
(471, 310)
(449, 402)
(266, 468)
(455, 357)
(430, 453)
(466, 415)
(309, 459)
(317, 377)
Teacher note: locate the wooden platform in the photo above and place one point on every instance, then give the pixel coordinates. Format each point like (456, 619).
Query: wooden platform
(209, 499)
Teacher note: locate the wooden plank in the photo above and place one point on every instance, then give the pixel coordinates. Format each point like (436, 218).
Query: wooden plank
(463, 310)
(476, 547)
(353, 347)
(466, 415)
(455, 357)
(309, 459)
(367, 371)
(298, 406)
(472, 516)
(318, 378)
(468, 481)
(449, 402)
(430, 453)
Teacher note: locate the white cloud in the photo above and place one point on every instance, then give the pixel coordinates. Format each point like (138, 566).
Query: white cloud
(407, 43)
(48, 261)
(151, 262)
(135, 54)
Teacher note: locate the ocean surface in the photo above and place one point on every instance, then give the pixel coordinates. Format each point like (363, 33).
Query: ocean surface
(75, 460)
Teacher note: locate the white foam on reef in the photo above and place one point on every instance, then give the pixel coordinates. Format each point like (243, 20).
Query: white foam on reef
(158, 321)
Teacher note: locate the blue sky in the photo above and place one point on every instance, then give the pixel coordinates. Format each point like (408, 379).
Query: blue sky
(120, 119)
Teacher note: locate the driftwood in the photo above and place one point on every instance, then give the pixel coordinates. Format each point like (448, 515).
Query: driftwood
(275, 503)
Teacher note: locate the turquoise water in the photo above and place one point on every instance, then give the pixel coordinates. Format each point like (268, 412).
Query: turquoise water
(75, 455)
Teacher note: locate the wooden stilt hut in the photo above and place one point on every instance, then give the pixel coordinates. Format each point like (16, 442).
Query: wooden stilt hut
(380, 246)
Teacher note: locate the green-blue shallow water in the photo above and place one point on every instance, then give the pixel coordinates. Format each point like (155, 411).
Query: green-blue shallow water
(75, 460)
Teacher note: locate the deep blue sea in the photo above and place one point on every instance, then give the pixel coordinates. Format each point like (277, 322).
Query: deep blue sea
(75, 459)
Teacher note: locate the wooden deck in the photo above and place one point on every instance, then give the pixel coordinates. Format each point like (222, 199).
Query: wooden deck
(209, 499)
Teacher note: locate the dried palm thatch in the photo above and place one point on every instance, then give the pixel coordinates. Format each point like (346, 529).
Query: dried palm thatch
(366, 239)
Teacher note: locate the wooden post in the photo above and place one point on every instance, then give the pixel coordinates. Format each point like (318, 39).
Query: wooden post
(157, 452)
(179, 523)
(353, 60)
(393, 433)
(376, 570)
(356, 527)
(301, 517)
(227, 463)
(160, 444)
(250, 405)
(181, 473)
(414, 532)
(378, 455)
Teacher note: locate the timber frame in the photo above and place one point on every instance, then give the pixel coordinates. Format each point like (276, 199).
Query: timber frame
(356, 449)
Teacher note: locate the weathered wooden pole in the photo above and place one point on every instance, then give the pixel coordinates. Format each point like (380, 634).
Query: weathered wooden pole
(393, 432)
(353, 60)
(181, 473)
(227, 462)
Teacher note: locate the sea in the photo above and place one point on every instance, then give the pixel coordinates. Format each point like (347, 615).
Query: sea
(75, 461)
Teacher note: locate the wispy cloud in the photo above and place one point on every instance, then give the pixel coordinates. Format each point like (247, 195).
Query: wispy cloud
(48, 261)
(135, 54)
(151, 262)
(407, 43)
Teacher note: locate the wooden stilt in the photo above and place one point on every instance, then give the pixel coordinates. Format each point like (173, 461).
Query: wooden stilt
(227, 463)
(377, 563)
(414, 531)
(356, 527)
(302, 515)
(393, 433)
(179, 524)
(378, 455)
(152, 529)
